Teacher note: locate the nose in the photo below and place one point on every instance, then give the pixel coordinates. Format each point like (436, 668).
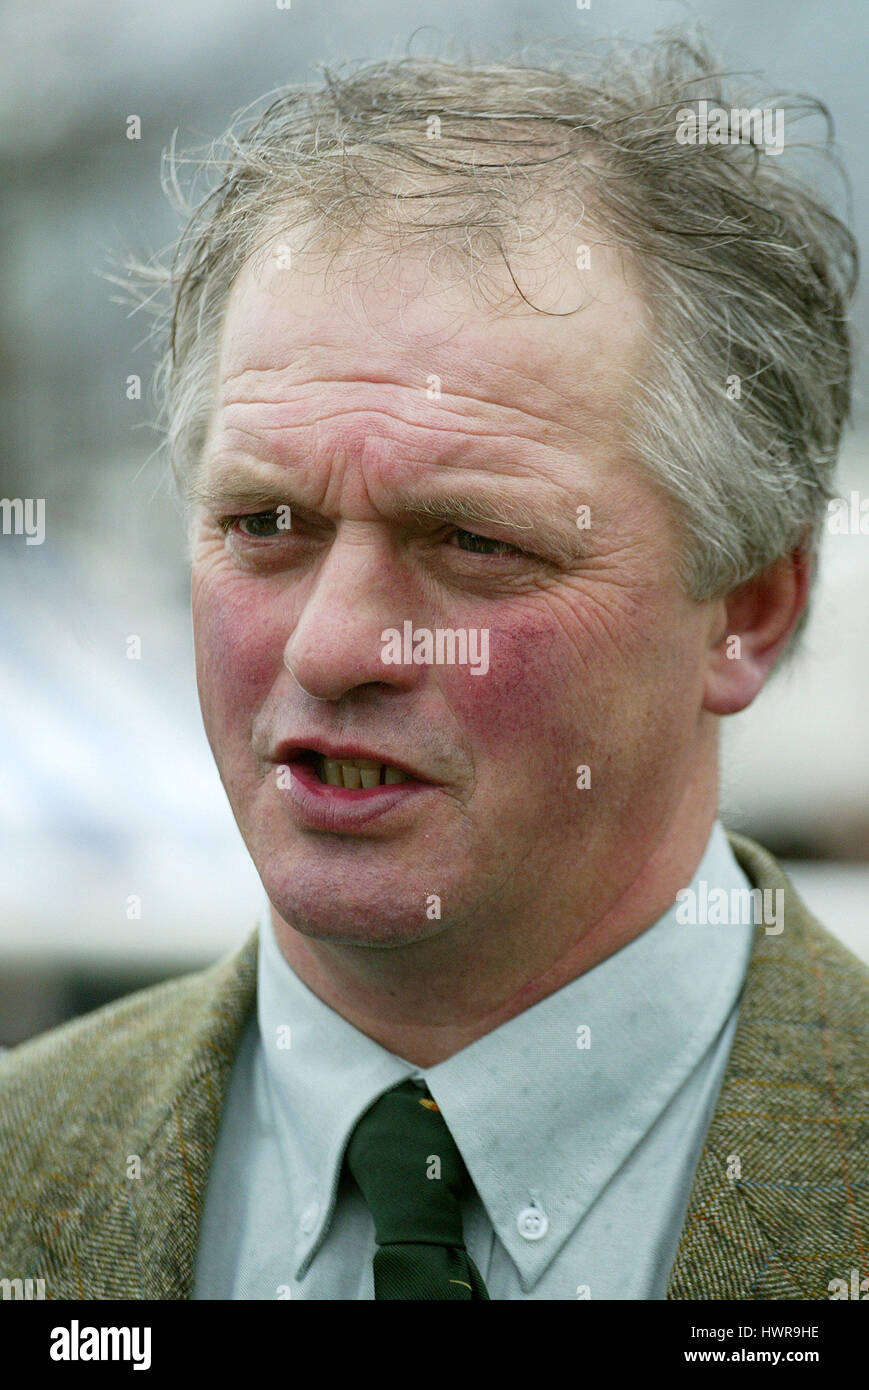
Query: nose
(360, 589)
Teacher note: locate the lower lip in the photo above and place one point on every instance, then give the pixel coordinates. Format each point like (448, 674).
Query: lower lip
(322, 807)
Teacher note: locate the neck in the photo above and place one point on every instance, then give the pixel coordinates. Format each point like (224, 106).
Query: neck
(429, 999)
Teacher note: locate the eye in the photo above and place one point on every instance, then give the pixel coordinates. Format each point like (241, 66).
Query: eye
(484, 545)
(258, 525)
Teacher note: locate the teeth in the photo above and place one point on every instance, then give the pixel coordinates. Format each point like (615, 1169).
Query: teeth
(357, 773)
(331, 772)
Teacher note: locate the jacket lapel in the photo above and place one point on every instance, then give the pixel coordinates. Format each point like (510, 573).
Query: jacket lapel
(132, 1230)
(780, 1203)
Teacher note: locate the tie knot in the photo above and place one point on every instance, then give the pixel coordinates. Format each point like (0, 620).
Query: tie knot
(409, 1169)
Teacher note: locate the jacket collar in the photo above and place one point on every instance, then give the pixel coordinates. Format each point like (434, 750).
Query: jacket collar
(127, 1224)
(777, 1205)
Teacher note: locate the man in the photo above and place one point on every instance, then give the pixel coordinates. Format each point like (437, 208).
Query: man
(506, 414)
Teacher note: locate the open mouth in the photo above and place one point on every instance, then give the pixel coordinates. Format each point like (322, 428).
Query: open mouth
(353, 774)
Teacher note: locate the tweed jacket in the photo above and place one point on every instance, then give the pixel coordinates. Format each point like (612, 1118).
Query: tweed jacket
(108, 1126)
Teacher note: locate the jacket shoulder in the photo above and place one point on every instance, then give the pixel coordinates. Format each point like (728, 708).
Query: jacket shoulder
(805, 1008)
(89, 1091)
(802, 937)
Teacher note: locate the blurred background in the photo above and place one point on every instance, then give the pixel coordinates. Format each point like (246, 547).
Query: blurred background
(121, 863)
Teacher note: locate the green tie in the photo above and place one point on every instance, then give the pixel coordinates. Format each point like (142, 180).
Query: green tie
(411, 1175)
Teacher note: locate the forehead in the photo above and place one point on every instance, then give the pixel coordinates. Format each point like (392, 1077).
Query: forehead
(371, 318)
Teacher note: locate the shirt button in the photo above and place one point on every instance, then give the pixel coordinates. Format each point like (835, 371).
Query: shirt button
(532, 1223)
(308, 1219)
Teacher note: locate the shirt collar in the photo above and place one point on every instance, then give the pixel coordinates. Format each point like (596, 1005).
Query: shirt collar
(543, 1112)
(322, 1074)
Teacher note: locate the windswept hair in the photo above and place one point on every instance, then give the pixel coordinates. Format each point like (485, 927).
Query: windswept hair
(746, 273)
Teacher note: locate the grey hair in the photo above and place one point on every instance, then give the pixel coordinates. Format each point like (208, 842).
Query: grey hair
(747, 274)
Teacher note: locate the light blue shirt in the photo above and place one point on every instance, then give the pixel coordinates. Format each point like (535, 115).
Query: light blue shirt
(581, 1122)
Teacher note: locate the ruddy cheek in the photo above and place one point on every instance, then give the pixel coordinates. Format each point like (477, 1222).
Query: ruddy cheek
(239, 647)
(524, 700)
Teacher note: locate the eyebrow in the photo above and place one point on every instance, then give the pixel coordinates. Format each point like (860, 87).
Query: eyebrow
(239, 494)
(472, 509)
(235, 493)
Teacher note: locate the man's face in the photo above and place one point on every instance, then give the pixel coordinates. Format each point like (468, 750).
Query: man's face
(358, 403)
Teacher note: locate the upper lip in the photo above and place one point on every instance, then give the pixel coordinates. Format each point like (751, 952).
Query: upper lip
(288, 750)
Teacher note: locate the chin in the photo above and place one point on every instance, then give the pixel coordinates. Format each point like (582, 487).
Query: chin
(355, 924)
(351, 904)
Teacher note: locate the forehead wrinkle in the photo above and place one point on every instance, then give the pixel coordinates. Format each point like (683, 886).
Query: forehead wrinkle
(439, 433)
(593, 390)
(593, 393)
(464, 423)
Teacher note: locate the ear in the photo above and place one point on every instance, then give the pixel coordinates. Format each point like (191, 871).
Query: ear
(754, 623)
